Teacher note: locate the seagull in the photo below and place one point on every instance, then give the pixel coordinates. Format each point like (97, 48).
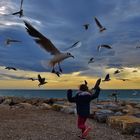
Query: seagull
(107, 78)
(86, 26)
(32, 79)
(76, 44)
(11, 68)
(9, 41)
(103, 46)
(116, 72)
(20, 12)
(101, 28)
(41, 80)
(123, 79)
(91, 60)
(46, 44)
(134, 71)
(137, 47)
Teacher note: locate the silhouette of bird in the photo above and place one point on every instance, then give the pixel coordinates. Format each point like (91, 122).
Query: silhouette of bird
(123, 79)
(41, 80)
(9, 41)
(86, 83)
(46, 44)
(117, 71)
(103, 46)
(20, 12)
(32, 79)
(91, 60)
(101, 28)
(137, 47)
(10, 68)
(86, 26)
(107, 78)
(76, 44)
(134, 71)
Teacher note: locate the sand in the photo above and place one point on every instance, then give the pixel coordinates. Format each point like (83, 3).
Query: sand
(32, 124)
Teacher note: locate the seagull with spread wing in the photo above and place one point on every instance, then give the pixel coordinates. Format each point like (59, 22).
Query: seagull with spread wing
(8, 41)
(20, 12)
(101, 28)
(10, 68)
(86, 26)
(46, 44)
(77, 44)
(103, 46)
(107, 78)
(41, 80)
(91, 60)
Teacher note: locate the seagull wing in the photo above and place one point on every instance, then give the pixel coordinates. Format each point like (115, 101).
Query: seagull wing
(107, 46)
(107, 77)
(12, 40)
(15, 13)
(85, 82)
(97, 84)
(44, 42)
(21, 4)
(98, 23)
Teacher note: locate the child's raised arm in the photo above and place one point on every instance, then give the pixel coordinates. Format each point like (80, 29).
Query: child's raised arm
(69, 96)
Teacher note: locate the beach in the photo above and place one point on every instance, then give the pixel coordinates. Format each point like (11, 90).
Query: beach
(38, 119)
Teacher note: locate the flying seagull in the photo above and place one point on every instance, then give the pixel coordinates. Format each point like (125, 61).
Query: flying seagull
(46, 44)
(76, 44)
(107, 78)
(11, 68)
(91, 60)
(41, 80)
(9, 41)
(101, 28)
(86, 26)
(20, 12)
(123, 79)
(32, 79)
(117, 71)
(103, 46)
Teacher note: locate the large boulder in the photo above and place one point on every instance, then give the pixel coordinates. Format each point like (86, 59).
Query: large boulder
(102, 115)
(45, 106)
(8, 101)
(127, 124)
(57, 107)
(68, 110)
(25, 105)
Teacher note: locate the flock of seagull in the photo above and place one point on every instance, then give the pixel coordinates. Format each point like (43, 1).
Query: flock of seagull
(49, 47)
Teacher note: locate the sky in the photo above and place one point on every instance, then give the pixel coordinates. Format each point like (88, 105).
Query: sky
(62, 22)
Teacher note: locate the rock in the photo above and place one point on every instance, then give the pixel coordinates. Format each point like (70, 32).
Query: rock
(137, 131)
(100, 106)
(128, 109)
(127, 124)
(102, 115)
(1, 99)
(137, 115)
(7, 101)
(57, 107)
(118, 114)
(4, 106)
(68, 110)
(45, 106)
(137, 106)
(25, 105)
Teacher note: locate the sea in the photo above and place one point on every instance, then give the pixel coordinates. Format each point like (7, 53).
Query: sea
(128, 95)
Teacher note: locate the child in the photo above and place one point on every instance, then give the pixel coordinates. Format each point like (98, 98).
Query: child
(82, 100)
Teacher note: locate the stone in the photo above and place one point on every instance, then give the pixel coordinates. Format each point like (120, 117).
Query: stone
(127, 123)
(102, 115)
(25, 105)
(57, 107)
(45, 106)
(7, 101)
(68, 110)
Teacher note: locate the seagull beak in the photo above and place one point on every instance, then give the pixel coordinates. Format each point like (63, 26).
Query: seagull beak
(72, 56)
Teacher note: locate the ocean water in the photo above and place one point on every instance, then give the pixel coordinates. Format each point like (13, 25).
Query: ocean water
(133, 95)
